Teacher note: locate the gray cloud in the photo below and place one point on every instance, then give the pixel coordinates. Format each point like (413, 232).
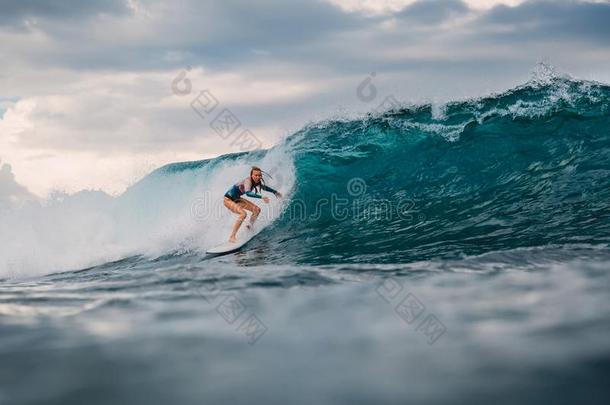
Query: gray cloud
(15, 13)
(433, 11)
(550, 20)
(209, 33)
(225, 35)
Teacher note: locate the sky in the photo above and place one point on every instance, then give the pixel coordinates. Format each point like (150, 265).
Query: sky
(95, 94)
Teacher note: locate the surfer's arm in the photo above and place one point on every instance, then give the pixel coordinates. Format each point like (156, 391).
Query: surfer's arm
(269, 189)
(252, 194)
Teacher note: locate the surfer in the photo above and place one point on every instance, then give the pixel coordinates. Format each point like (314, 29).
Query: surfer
(249, 186)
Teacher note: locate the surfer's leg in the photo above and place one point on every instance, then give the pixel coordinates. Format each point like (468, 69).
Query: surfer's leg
(237, 209)
(253, 208)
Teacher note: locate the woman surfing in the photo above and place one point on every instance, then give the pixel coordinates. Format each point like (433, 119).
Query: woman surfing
(249, 186)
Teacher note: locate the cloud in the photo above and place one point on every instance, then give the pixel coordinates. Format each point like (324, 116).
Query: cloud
(391, 6)
(433, 11)
(158, 35)
(27, 13)
(11, 193)
(139, 113)
(225, 35)
(550, 20)
(5, 103)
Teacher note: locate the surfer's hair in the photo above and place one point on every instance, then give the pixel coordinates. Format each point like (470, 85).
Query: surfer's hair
(258, 185)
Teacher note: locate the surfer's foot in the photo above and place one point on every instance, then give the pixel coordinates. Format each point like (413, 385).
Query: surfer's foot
(232, 239)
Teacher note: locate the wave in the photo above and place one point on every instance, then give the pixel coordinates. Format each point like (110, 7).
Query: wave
(528, 167)
(177, 208)
(525, 168)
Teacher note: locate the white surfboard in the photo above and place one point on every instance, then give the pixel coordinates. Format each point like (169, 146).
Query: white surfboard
(228, 247)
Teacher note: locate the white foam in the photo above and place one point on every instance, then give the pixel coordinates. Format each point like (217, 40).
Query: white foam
(163, 213)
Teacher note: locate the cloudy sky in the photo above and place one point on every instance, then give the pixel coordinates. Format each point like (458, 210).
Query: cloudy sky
(93, 96)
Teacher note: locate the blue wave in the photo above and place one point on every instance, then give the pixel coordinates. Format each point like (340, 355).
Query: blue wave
(525, 168)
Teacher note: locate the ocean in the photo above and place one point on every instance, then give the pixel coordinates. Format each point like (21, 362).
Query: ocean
(429, 254)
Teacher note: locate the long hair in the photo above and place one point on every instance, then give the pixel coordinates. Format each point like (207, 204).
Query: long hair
(256, 186)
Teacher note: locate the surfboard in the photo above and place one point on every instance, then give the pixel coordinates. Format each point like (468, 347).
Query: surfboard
(229, 247)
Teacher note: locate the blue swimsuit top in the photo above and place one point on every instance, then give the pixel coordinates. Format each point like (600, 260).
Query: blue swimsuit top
(246, 187)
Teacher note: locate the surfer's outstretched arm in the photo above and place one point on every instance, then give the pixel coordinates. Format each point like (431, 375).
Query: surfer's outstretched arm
(271, 190)
(252, 194)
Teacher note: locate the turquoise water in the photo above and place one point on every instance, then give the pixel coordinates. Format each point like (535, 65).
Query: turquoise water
(432, 254)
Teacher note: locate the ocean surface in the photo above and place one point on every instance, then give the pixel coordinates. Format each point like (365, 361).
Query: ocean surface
(433, 254)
